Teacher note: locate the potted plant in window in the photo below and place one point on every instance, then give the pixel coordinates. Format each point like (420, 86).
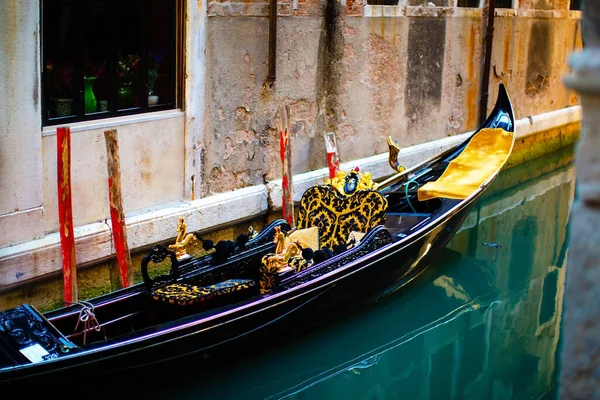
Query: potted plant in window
(60, 82)
(154, 60)
(127, 69)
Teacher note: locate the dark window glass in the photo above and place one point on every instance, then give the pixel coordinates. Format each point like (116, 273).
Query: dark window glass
(468, 3)
(548, 306)
(104, 58)
(575, 5)
(383, 2)
(504, 3)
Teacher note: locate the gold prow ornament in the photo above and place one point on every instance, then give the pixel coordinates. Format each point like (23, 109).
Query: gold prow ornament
(393, 155)
(183, 241)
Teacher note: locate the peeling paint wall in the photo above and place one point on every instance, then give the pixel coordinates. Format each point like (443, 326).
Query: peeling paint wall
(415, 78)
(530, 56)
(411, 72)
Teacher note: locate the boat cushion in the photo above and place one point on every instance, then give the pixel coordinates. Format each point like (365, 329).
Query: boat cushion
(306, 238)
(483, 157)
(337, 215)
(186, 294)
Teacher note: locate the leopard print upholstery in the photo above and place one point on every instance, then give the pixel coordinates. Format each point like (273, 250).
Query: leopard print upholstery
(184, 294)
(336, 215)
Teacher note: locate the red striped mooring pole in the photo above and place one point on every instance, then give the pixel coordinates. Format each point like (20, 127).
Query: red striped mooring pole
(333, 160)
(117, 216)
(65, 214)
(285, 153)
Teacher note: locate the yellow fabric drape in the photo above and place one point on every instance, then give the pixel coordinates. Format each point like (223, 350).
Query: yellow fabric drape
(485, 154)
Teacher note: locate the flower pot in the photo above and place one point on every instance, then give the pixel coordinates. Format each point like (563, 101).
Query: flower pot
(152, 100)
(125, 97)
(62, 107)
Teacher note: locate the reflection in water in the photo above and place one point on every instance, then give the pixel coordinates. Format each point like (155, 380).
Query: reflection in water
(483, 322)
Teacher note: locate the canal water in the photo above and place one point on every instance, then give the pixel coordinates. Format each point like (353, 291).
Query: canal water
(483, 322)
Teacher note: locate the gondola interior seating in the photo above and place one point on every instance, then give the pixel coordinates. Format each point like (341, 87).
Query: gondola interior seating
(349, 203)
(166, 289)
(346, 204)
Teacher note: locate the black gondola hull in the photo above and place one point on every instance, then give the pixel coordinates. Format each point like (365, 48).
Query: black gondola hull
(387, 260)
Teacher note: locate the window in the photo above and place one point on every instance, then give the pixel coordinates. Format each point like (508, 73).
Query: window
(104, 58)
(468, 3)
(504, 4)
(383, 2)
(575, 5)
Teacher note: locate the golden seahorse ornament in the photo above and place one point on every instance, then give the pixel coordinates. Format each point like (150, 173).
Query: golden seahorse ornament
(182, 241)
(394, 150)
(284, 250)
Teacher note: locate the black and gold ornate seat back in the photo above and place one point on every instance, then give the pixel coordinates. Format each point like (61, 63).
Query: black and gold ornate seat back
(349, 202)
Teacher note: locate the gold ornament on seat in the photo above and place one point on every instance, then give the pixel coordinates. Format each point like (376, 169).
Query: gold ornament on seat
(348, 183)
(252, 233)
(285, 250)
(394, 150)
(183, 241)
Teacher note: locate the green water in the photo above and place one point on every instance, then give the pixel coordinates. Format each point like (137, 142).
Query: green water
(482, 323)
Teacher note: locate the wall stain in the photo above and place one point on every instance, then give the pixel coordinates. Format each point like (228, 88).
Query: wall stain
(328, 81)
(539, 58)
(425, 69)
(331, 47)
(472, 83)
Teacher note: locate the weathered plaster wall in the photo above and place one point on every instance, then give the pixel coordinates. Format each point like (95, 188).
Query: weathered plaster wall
(20, 123)
(414, 74)
(530, 56)
(151, 155)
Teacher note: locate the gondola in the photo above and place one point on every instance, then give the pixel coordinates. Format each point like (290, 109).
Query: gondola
(355, 242)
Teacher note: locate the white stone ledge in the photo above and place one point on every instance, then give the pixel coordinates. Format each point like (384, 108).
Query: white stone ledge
(34, 259)
(115, 121)
(93, 242)
(542, 122)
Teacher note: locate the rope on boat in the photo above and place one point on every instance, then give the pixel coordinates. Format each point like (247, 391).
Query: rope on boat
(88, 318)
(406, 187)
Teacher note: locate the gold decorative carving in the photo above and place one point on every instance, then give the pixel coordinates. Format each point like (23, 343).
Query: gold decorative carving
(394, 150)
(252, 233)
(348, 183)
(283, 252)
(183, 241)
